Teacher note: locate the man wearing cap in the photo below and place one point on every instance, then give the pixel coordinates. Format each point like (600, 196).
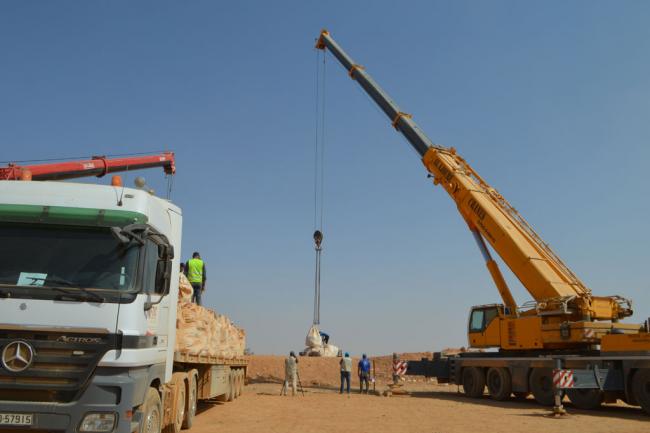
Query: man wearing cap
(290, 373)
(364, 373)
(346, 370)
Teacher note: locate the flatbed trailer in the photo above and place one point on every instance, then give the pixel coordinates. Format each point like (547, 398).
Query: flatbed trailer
(200, 377)
(588, 378)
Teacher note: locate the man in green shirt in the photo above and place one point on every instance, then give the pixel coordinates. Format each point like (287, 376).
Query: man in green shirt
(195, 272)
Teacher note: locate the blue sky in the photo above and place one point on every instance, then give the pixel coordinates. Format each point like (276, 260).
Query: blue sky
(549, 101)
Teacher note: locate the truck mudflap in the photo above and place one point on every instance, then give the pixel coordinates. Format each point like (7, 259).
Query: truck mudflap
(109, 393)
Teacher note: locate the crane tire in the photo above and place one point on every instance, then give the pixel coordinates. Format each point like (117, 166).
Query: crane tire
(587, 399)
(541, 385)
(499, 383)
(473, 381)
(641, 388)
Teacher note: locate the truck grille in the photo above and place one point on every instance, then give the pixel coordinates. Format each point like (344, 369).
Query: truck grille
(61, 364)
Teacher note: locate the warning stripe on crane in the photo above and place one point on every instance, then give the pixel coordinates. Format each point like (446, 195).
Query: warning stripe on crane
(399, 367)
(588, 334)
(563, 379)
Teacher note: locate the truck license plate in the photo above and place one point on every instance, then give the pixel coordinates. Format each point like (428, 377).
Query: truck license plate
(16, 419)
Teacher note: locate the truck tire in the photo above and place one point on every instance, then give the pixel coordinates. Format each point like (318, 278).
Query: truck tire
(152, 412)
(473, 381)
(238, 382)
(499, 383)
(231, 386)
(541, 385)
(641, 388)
(190, 410)
(179, 395)
(587, 399)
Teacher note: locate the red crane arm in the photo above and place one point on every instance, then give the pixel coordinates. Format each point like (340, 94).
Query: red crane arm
(97, 166)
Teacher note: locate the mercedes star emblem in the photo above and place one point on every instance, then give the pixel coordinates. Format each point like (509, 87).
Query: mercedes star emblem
(17, 356)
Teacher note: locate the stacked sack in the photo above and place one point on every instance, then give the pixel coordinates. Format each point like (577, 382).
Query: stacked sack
(200, 331)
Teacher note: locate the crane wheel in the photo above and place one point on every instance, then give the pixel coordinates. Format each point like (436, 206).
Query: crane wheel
(499, 383)
(473, 381)
(541, 385)
(641, 388)
(587, 399)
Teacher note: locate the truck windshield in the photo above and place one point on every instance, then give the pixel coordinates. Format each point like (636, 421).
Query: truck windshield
(39, 255)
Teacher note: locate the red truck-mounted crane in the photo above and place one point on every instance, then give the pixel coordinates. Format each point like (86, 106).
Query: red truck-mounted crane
(96, 166)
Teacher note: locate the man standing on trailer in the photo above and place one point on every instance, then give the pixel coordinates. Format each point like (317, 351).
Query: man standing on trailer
(290, 374)
(195, 271)
(364, 373)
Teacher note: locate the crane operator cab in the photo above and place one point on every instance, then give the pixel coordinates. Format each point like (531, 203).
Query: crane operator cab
(483, 329)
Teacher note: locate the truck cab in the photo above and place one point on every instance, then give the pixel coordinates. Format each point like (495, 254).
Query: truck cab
(88, 292)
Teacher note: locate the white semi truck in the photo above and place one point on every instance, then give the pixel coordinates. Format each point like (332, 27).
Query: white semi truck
(89, 281)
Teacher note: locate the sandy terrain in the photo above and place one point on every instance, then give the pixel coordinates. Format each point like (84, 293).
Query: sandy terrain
(430, 408)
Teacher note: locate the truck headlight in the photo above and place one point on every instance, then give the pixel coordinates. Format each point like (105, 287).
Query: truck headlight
(98, 422)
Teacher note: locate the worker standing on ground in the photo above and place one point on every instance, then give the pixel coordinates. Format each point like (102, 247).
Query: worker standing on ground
(290, 374)
(364, 373)
(346, 371)
(195, 271)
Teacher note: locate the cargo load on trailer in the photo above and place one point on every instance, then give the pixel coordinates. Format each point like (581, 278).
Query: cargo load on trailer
(201, 331)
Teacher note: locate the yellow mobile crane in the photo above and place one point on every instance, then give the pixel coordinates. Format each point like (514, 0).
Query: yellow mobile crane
(565, 323)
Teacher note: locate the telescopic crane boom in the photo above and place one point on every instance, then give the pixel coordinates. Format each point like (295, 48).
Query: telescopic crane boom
(97, 166)
(560, 297)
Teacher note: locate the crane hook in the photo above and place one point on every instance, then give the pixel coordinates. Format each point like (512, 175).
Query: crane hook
(318, 238)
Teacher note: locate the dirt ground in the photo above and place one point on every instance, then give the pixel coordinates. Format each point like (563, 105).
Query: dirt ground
(430, 408)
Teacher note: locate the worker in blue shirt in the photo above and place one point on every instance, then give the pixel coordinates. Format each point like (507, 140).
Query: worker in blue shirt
(364, 373)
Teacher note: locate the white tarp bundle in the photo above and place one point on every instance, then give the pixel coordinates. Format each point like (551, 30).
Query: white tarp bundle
(200, 331)
(313, 337)
(315, 345)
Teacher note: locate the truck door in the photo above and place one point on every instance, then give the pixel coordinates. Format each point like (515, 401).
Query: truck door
(484, 326)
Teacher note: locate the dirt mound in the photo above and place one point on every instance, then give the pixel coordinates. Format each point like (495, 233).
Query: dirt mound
(323, 372)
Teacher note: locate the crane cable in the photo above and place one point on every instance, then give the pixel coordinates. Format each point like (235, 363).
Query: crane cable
(319, 178)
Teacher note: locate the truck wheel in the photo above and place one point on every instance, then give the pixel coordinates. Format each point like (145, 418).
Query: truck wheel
(499, 383)
(240, 381)
(541, 385)
(179, 394)
(231, 386)
(641, 388)
(190, 410)
(473, 381)
(152, 412)
(585, 398)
